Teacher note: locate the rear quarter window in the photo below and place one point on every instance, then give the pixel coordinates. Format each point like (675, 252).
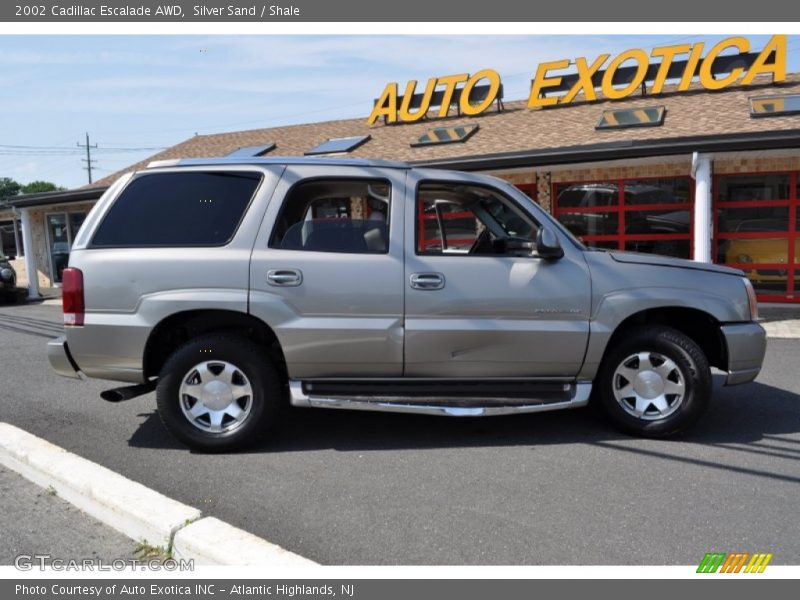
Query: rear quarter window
(178, 209)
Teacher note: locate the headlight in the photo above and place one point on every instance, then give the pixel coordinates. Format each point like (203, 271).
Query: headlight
(6, 274)
(751, 299)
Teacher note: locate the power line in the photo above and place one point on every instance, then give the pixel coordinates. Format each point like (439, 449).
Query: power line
(71, 149)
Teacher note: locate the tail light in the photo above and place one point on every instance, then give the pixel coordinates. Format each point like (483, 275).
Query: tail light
(751, 299)
(72, 296)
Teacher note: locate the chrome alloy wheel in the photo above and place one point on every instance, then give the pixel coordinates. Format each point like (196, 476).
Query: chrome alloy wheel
(649, 386)
(215, 396)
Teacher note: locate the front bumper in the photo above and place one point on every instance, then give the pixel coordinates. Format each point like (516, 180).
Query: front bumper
(60, 358)
(746, 344)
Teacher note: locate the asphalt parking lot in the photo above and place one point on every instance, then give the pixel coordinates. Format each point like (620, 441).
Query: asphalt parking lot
(360, 488)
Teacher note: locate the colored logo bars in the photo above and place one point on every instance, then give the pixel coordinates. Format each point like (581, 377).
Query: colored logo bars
(737, 562)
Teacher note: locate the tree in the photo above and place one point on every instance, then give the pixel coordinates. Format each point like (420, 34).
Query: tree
(8, 187)
(36, 187)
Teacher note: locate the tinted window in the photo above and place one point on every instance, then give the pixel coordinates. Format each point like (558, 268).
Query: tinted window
(339, 215)
(178, 209)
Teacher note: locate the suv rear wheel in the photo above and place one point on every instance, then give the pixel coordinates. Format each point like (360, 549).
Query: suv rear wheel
(218, 393)
(655, 382)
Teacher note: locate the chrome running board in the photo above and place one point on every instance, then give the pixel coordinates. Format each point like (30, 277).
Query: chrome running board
(578, 396)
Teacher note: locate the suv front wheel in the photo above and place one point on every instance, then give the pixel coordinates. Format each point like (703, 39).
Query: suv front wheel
(218, 393)
(655, 382)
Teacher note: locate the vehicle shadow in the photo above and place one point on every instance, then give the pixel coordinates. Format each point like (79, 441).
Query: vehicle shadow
(743, 415)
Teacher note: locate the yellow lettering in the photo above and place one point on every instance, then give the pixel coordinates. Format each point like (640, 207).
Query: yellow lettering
(494, 86)
(450, 82)
(584, 82)
(609, 91)
(405, 105)
(667, 54)
(760, 66)
(707, 77)
(542, 81)
(386, 106)
(691, 66)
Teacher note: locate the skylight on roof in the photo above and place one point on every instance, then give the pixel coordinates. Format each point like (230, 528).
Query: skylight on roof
(251, 151)
(337, 145)
(446, 135)
(648, 116)
(773, 106)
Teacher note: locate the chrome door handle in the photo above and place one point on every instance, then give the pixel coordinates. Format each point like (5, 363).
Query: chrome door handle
(285, 277)
(427, 281)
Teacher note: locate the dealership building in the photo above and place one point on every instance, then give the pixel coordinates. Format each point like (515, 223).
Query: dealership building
(699, 159)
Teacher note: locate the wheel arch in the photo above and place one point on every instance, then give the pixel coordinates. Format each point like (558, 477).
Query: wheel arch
(178, 328)
(698, 325)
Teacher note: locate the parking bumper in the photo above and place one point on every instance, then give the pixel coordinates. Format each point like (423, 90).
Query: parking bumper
(746, 345)
(60, 358)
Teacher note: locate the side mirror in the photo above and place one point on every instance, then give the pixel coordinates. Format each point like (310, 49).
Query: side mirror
(547, 244)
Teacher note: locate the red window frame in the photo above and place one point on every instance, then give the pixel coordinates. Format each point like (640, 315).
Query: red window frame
(621, 238)
(792, 264)
(531, 190)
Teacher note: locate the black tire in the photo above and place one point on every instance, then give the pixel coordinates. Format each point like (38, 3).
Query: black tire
(253, 362)
(695, 376)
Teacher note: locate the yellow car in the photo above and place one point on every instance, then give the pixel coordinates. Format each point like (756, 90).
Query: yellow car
(761, 250)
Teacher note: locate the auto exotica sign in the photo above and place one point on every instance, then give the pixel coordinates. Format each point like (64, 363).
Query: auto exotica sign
(635, 67)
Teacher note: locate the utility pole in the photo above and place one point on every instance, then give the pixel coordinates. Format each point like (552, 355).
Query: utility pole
(88, 160)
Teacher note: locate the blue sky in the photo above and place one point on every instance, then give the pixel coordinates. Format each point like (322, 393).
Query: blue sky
(148, 92)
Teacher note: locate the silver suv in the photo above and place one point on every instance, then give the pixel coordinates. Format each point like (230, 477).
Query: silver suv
(233, 287)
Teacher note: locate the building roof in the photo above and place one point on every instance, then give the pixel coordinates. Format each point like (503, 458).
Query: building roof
(57, 197)
(693, 118)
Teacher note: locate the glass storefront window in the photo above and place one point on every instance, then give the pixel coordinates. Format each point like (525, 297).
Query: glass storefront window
(587, 195)
(744, 188)
(9, 237)
(593, 223)
(657, 221)
(676, 248)
(759, 233)
(767, 250)
(752, 219)
(61, 231)
(659, 208)
(673, 190)
(604, 245)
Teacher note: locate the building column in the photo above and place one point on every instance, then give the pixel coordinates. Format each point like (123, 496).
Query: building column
(701, 171)
(30, 255)
(17, 245)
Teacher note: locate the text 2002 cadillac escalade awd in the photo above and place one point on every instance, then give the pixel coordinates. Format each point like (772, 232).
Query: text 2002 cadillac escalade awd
(232, 287)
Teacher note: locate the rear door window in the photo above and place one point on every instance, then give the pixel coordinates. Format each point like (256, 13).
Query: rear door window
(178, 209)
(335, 215)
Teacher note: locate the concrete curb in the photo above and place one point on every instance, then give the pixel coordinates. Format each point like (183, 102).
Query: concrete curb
(127, 506)
(210, 541)
(133, 509)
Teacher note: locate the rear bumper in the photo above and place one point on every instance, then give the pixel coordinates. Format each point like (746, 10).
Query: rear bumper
(60, 358)
(746, 344)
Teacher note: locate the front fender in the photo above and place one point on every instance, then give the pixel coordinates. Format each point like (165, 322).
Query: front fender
(615, 307)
